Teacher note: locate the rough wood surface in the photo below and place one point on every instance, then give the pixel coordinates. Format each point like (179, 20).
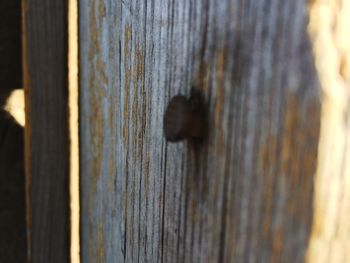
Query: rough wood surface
(46, 131)
(244, 196)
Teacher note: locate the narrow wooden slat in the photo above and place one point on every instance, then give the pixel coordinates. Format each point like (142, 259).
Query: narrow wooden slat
(46, 131)
(74, 130)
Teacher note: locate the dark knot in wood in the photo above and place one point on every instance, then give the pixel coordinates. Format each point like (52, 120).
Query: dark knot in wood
(186, 118)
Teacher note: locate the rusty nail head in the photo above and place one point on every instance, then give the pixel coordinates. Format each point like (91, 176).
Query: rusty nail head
(186, 118)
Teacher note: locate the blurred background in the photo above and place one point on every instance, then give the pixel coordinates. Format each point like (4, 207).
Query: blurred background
(12, 197)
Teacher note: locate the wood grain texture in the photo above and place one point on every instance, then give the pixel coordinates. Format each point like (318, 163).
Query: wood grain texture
(46, 131)
(245, 195)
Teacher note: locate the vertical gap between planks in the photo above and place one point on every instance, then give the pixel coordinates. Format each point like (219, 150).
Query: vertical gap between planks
(27, 129)
(73, 128)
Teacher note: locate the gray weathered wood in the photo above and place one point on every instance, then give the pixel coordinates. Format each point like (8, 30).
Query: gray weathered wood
(46, 132)
(244, 196)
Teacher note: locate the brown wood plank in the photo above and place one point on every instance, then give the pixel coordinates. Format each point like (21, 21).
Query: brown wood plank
(46, 132)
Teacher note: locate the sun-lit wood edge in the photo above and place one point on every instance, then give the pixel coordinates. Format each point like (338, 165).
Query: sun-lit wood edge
(74, 128)
(330, 37)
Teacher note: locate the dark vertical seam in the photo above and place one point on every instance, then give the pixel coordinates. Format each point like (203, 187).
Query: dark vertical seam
(163, 210)
(193, 59)
(186, 181)
(171, 81)
(140, 141)
(131, 140)
(126, 174)
(180, 211)
(151, 117)
(143, 133)
(186, 188)
(202, 174)
(188, 72)
(160, 210)
(226, 175)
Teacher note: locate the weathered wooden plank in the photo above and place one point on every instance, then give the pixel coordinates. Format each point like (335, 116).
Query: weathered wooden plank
(243, 196)
(46, 131)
